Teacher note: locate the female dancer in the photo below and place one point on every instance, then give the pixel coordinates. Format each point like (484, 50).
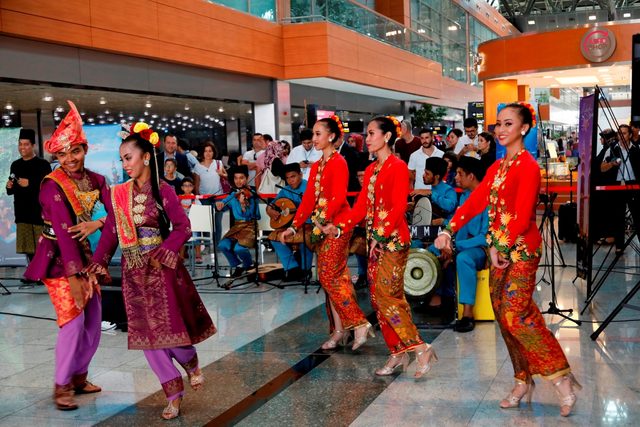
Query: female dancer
(68, 196)
(165, 314)
(510, 189)
(382, 203)
(326, 201)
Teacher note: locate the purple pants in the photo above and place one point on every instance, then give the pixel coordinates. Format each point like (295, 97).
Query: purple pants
(161, 362)
(77, 342)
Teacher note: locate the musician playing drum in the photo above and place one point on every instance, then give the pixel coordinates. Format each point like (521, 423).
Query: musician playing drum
(286, 203)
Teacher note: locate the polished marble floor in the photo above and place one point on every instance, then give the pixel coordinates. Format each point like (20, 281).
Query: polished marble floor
(265, 366)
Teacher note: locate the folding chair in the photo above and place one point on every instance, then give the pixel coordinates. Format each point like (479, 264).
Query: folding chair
(201, 218)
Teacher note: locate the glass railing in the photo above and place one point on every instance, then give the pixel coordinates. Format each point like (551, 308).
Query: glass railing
(265, 9)
(364, 21)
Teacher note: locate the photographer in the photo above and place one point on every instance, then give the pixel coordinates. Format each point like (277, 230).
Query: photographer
(23, 184)
(622, 159)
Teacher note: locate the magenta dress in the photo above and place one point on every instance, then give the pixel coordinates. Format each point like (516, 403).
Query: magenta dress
(59, 256)
(165, 313)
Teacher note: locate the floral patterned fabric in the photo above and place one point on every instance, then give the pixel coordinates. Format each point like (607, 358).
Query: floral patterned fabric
(386, 275)
(532, 347)
(335, 280)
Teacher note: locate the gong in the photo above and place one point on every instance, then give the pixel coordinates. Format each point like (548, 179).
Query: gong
(422, 274)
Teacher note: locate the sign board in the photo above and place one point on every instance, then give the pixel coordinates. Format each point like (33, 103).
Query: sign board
(476, 110)
(598, 44)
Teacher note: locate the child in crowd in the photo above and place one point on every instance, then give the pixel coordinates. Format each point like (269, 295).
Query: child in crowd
(187, 188)
(170, 175)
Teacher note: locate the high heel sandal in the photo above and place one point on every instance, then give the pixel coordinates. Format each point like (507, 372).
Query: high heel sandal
(432, 357)
(567, 401)
(171, 412)
(333, 341)
(395, 360)
(513, 400)
(360, 341)
(196, 379)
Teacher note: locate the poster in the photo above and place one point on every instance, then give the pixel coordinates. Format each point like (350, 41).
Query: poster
(8, 154)
(587, 141)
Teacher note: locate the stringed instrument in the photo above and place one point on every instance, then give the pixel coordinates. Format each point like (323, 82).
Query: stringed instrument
(287, 210)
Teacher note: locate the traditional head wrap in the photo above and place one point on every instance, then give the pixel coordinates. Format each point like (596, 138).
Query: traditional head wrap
(68, 133)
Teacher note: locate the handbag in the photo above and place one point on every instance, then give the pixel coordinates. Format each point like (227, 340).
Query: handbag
(224, 182)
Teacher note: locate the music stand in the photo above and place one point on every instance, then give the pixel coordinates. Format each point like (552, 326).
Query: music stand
(5, 291)
(215, 275)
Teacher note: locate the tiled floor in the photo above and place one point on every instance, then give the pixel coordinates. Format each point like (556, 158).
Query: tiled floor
(264, 367)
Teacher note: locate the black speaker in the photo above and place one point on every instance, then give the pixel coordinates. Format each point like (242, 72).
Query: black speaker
(635, 79)
(113, 304)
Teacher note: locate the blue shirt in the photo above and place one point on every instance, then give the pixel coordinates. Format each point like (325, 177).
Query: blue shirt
(252, 212)
(474, 232)
(294, 195)
(445, 197)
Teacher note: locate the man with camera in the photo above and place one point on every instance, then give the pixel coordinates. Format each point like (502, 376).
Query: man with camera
(23, 184)
(621, 159)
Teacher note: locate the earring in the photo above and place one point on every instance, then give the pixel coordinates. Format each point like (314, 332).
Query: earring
(522, 133)
(386, 141)
(146, 162)
(330, 139)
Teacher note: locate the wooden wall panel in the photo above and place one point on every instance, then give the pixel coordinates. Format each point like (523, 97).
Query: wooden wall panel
(39, 27)
(75, 11)
(138, 18)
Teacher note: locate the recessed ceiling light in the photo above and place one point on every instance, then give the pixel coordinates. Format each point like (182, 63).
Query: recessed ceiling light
(221, 109)
(102, 101)
(146, 113)
(8, 106)
(148, 104)
(531, 22)
(249, 112)
(592, 17)
(187, 108)
(232, 118)
(106, 111)
(296, 115)
(90, 119)
(626, 15)
(452, 27)
(59, 109)
(47, 98)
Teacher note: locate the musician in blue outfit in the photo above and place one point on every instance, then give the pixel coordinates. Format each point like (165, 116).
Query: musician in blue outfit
(470, 243)
(281, 211)
(241, 237)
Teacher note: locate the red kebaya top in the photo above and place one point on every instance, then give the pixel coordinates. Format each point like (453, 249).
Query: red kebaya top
(382, 202)
(326, 196)
(510, 189)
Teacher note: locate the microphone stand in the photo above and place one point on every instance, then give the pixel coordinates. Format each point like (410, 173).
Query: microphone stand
(303, 256)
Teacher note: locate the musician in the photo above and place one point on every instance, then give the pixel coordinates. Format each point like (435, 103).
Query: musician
(242, 236)
(470, 243)
(293, 191)
(443, 197)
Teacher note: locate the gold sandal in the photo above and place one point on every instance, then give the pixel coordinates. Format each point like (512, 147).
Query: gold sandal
(333, 341)
(567, 401)
(171, 412)
(360, 341)
(432, 357)
(513, 400)
(395, 361)
(196, 379)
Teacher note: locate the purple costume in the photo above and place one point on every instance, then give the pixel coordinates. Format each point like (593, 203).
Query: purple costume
(59, 256)
(165, 313)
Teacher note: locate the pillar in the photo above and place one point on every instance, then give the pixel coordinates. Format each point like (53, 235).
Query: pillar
(498, 92)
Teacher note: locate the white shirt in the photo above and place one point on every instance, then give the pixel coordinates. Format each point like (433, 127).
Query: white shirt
(625, 171)
(416, 163)
(252, 156)
(209, 178)
(299, 154)
(465, 140)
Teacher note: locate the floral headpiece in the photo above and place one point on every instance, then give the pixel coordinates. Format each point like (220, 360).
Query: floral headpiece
(142, 129)
(339, 122)
(533, 112)
(396, 123)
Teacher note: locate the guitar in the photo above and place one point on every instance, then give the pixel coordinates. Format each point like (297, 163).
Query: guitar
(287, 210)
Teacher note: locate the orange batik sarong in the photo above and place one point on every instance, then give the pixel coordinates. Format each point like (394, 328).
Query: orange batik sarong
(532, 347)
(336, 281)
(63, 303)
(386, 278)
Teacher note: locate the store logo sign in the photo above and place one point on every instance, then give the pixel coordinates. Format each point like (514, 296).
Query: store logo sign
(598, 45)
